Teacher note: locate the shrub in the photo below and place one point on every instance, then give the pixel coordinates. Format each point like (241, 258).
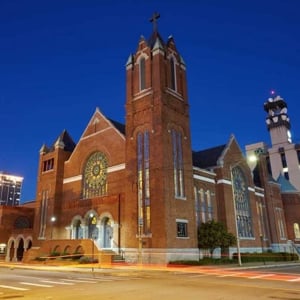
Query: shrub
(87, 260)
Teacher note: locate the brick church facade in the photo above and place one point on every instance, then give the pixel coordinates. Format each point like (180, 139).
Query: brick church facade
(139, 190)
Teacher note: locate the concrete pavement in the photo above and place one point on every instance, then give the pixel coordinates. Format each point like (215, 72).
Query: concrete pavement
(62, 266)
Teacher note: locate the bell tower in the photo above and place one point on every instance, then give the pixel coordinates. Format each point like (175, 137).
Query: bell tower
(278, 122)
(159, 191)
(283, 154)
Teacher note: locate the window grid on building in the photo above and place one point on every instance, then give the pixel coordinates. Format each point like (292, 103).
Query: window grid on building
(10, 189)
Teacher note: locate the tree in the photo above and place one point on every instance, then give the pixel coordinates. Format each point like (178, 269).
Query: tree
(212, 235)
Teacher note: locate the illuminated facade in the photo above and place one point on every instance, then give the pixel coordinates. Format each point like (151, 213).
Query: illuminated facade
(138, 189)
(10, 189)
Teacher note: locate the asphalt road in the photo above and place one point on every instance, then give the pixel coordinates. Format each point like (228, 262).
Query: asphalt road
(196, 283)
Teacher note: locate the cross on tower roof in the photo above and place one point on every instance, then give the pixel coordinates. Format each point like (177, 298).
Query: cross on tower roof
(154, 19)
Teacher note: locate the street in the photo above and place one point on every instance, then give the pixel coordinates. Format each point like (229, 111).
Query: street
(196, 283)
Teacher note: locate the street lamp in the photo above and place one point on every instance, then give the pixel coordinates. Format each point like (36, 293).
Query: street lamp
(53, 219)
(92, 224)
(235, 216)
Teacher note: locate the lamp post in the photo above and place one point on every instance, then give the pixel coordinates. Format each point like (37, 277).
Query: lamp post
(262, 247)
(235, 216)
(140, 259)
(52, 220)
(92, 223)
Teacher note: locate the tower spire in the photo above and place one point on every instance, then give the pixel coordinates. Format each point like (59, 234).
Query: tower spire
(154, 19)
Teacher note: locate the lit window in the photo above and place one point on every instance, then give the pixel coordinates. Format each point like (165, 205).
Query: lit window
(95, 176)
(143, 177)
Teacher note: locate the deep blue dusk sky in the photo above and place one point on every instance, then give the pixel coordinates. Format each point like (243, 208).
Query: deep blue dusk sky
(60, 59)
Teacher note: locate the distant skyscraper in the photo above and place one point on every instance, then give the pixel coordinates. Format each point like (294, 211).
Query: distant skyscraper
(10, 189)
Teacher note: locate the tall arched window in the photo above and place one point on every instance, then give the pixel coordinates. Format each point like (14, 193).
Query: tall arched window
(296, 231)
(197, 207)
(173, 74)
(242, 203)
(178, 164)
(43, 213)
(143, 168)
(95, 176)
(142, 74)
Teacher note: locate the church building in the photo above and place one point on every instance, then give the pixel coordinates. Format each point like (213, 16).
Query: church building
(139, 191)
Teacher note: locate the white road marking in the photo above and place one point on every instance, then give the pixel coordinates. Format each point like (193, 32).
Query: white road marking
(78, 280)
(57, 282)
(89, 279)
(13, 288)
(36, 284)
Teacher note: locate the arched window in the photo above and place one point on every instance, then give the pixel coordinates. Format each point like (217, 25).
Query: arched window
(142, 74)
(242, 203)
(178, 164)
(296, 231)
(173, 74)
(197, 207)
(143, 169)
(95, 176)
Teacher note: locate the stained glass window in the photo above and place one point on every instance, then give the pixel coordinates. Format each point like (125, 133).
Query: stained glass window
(143, 166)
(95, 176)
(242, 203)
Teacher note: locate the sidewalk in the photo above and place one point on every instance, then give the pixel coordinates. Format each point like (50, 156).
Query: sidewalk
(138, 268)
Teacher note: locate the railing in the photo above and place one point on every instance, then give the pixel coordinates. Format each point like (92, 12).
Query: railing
(296, 248)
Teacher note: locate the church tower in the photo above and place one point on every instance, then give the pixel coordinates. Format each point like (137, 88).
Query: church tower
(283, 155)
(159, 192)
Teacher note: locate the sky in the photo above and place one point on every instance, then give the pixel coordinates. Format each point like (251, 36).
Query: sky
(60, 59)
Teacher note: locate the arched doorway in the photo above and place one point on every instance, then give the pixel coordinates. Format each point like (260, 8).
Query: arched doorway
(11, 251)
(20, 250)
(29, 245)
(92, 227)
(77, 230)
(107, 232)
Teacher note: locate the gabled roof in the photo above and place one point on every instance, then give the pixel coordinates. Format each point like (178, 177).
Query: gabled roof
(118, 125)
(207, 158)
(285, 185)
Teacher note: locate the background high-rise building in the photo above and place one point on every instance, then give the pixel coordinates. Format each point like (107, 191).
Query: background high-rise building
(10, 189)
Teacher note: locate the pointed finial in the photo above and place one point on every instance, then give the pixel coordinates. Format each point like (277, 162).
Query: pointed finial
(154, 19)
